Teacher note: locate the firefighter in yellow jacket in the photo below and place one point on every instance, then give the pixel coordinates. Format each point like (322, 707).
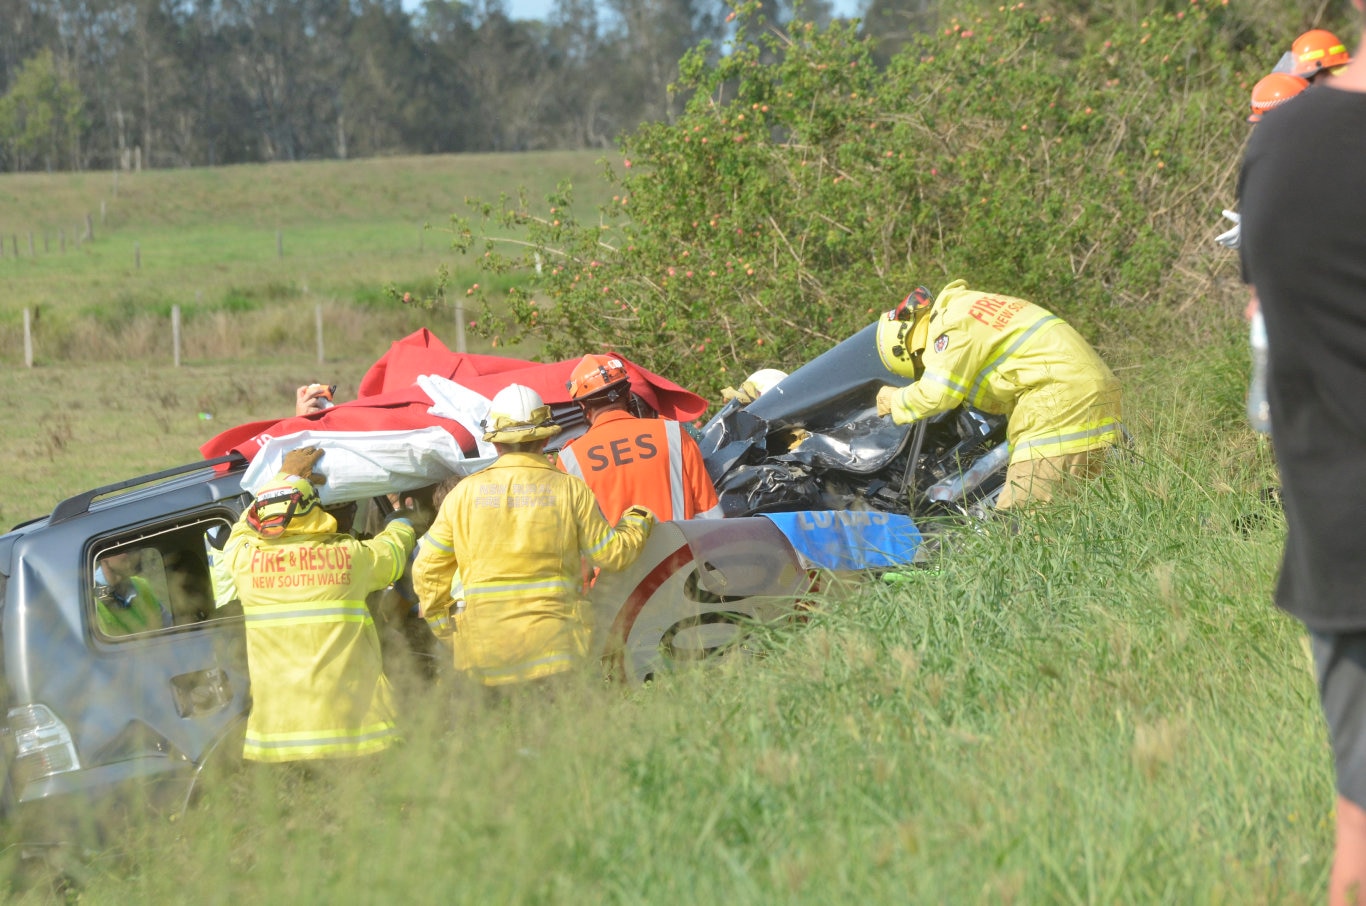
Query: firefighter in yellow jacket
(313, 655)
(1004, 356)
(507, 543)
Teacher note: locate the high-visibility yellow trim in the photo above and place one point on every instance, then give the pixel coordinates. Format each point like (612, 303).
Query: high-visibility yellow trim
(974, 395)
(302, 613)
(495, 676)
(1069, 440)
(305, 744)
(518, 588)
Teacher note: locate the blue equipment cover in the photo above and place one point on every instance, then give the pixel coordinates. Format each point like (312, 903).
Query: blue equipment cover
(849, 539)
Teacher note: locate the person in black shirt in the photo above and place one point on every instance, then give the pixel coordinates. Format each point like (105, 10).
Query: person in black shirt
(1303, 248)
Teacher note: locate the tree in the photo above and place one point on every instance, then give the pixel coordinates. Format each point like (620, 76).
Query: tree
(40, 117)
(379, 96)
(28, 29)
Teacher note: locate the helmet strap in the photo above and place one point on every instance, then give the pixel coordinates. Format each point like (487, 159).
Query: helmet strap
(920, 333)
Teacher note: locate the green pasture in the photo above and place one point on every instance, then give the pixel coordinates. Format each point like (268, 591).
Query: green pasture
(247, 241)
(1094, 703)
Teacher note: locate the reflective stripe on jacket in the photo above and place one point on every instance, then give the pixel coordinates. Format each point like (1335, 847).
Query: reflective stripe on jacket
(131, 606)
(1010, 357)
(513, 534)
(317, 681)
(650, 462)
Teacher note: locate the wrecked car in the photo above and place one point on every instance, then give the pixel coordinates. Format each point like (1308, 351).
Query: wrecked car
(102, 712)
(100, 717)
(814, 441)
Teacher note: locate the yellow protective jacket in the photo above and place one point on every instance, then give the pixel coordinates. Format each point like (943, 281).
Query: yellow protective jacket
(1010, 357)
(317, 682)
(512, 536)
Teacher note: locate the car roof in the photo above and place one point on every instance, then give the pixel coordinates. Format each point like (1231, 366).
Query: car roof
(224, 469)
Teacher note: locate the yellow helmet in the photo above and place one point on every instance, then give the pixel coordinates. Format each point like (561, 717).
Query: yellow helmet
(279, 502)
(903, 331)
(518, 415)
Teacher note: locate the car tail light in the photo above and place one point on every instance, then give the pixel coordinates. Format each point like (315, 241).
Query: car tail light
(43, 745)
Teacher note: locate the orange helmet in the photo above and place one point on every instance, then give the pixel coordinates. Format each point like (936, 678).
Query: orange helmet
(1272, 91)
(598, 374)
(1317, 50)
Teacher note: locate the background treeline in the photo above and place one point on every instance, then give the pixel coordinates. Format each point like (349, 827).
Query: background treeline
(131, 84)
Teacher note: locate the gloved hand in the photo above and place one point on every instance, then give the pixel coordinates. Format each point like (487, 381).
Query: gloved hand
(885, 397)
(643, 513)
(300, 462)
(416, 513)
(1231, 239)
(746, 394)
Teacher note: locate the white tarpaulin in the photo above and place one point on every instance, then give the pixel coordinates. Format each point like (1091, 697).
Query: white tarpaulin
(361, 464)
(461, 404)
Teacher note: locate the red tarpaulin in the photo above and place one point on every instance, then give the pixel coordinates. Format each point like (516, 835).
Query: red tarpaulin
(389, 399)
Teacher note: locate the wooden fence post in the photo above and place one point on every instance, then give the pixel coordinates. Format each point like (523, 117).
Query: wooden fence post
(459, 327)
(137, 256)
(279, 243)
(28, 338)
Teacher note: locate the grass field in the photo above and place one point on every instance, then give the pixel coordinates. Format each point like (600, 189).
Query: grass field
(1094, 704)
(242, 244)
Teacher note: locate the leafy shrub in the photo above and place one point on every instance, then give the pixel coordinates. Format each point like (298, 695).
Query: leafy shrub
(1081, 164)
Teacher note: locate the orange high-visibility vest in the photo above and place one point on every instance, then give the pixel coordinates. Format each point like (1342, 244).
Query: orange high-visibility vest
(650, 462)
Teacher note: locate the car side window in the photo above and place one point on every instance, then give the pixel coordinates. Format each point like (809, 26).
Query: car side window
(158, 579)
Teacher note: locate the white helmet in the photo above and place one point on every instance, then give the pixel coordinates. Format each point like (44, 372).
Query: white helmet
(765, 379)
(518, 415)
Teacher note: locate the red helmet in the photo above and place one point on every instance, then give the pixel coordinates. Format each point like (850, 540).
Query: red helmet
(1272, 91)
(1317, 50)
(598, 374)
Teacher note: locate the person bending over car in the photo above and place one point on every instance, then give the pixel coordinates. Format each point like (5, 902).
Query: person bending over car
(1004, 356)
